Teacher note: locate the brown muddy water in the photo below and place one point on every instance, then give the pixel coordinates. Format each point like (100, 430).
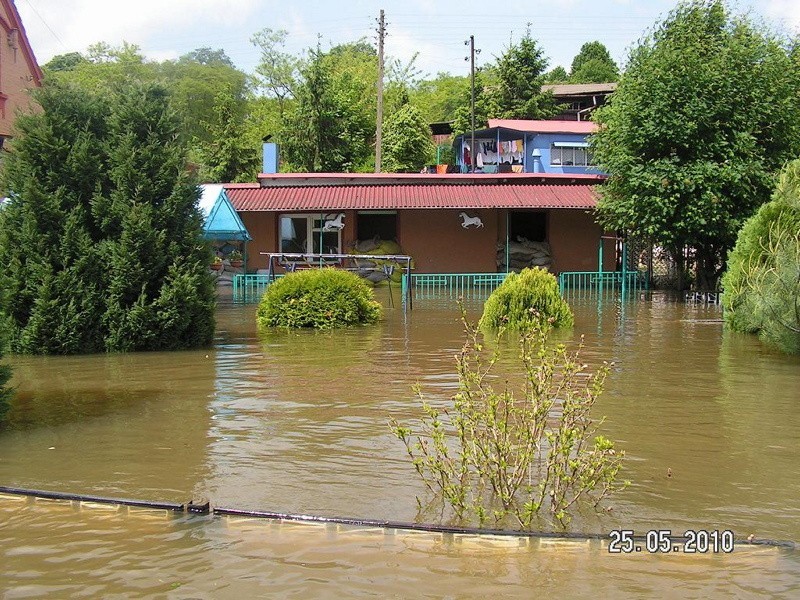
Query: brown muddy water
(297, 422)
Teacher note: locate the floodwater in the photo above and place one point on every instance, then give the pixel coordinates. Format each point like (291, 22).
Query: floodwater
(297, 422)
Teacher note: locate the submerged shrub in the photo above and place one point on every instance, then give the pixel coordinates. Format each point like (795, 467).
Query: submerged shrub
(515, 452)
(530, 298)
(762, 282)
(318, 298)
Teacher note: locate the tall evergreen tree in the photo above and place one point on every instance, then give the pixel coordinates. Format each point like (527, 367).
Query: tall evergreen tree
(520, 72)
(102, 236)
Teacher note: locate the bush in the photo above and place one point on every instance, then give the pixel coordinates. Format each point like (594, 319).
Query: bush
(530, 298)
(761, 286)
(318, 298)
(495, 453)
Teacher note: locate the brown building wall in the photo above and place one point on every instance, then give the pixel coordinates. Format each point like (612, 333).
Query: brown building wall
(573, 237)
(18, 70)
(439, 244)
(263, 228)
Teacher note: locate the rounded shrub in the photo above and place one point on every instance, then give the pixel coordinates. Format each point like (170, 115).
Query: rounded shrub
(530, 298)
(318, 298)
(761, 285)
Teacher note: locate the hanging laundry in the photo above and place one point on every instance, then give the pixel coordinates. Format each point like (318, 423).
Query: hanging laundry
(479, 160)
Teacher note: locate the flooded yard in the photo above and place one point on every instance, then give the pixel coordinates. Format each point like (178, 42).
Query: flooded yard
(297, 422)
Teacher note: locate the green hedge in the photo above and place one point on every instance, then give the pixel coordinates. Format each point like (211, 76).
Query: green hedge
(526, 299)
(318, 298)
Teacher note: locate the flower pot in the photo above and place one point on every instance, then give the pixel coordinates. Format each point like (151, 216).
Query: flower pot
(237, 263)
(216, 266)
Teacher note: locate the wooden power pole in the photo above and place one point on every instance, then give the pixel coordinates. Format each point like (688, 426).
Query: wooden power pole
(379, 125)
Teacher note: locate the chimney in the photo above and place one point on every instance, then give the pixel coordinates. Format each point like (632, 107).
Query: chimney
(271, 158)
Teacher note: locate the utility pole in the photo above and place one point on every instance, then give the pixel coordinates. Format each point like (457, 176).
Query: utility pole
(379, 125)
(471, 58)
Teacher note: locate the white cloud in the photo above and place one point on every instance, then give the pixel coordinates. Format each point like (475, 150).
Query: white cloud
(55, 27)
(784, 10)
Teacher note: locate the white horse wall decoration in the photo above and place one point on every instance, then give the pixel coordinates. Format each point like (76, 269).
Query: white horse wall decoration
(476, 221)
(334, 224)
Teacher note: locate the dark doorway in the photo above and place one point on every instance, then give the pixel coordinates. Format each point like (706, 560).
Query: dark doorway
(531, 225)
(381, 224)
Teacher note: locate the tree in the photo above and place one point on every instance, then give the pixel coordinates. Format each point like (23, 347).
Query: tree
(593, 64)
(331, 128)
(439, 98)
(486, 103)
(557, 75)
(703, 118)
(762, 283)
(520, 74)
(102, 236)
(227, 156)
(207, 56)
(407, 143)
(277, 72)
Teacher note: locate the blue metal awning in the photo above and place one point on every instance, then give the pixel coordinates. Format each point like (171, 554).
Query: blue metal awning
(222, 222)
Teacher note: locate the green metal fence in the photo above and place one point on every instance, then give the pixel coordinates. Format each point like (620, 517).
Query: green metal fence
(586, 283)
(454, 285)
(250, 287)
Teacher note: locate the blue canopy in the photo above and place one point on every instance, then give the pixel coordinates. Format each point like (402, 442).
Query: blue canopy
(222, 222)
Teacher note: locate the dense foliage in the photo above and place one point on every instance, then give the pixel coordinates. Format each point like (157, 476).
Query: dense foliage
(407, 144)
(526, 448)
(593, 64)
(705, 115)
(318, 298)
(101, 241)
(5, 376)
(526, 300)
(762, 283)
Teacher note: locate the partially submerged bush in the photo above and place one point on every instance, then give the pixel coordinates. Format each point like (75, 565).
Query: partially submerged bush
(530, 298)
(492, 453)
(761, 285)
(318, 298)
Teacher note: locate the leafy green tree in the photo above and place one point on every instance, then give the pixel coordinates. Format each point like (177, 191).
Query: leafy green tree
(407, 143)
(520, 74)
(65, 62)
(439, 98)
(762, 283)
(593, 64)
(703, 118)
(228, 156)
(207, 56)
(486, 103)
(331, 128)
(557, 75)
(102, 237)
(278, 72)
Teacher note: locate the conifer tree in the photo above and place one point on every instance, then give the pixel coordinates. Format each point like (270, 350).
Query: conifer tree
(102, 236)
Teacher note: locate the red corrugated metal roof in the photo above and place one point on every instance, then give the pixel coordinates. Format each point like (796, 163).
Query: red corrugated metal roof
(390, 197)
(582, 127)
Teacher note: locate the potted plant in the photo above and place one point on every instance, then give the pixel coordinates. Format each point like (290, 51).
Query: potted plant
(216, 264)
(235, 258)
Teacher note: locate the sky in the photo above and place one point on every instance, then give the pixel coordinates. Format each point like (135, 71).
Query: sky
(436, 29)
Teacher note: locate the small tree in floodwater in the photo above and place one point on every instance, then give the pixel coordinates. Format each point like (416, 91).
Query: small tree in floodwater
(494, 453)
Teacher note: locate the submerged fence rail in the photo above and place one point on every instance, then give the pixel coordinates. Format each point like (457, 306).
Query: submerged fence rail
(192, 508)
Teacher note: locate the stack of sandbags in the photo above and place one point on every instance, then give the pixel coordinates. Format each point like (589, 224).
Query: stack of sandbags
(524, 253)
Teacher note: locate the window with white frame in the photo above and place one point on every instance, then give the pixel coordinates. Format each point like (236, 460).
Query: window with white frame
(570, 154)
(305, 234)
